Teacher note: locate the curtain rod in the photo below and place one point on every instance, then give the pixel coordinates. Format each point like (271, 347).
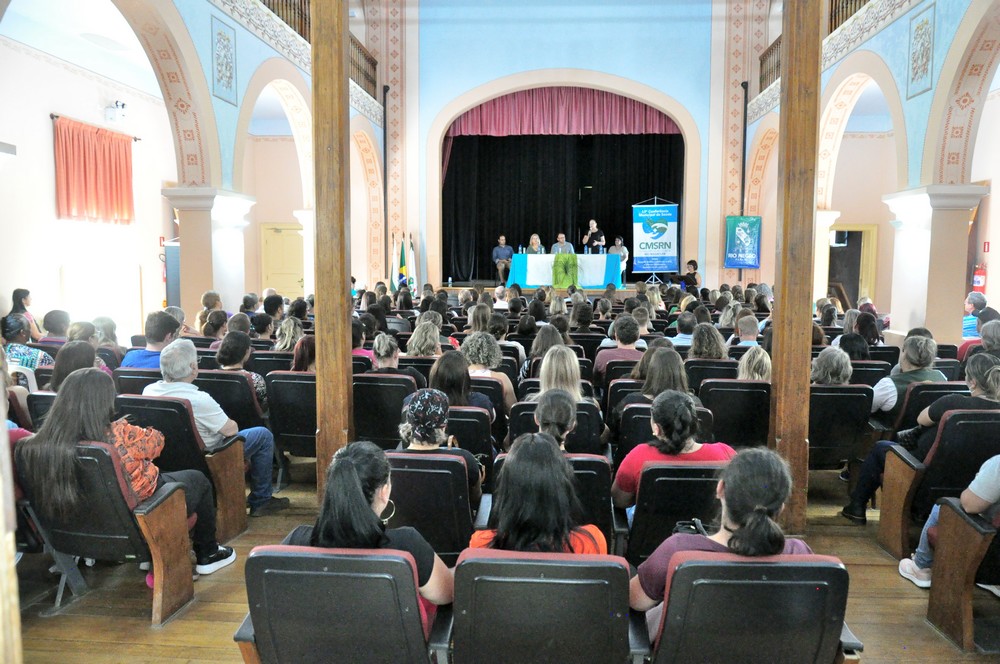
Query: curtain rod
(55, 116)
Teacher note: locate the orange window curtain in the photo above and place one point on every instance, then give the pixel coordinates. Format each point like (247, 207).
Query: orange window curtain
(93, 173)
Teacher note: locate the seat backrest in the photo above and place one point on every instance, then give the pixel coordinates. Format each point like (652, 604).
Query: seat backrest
(261, 344)
(669, 492)
(698, 370)
(134, 381)
(102, 525)
(507, 605)
(291, 397)
(39, 405)
(109, 356)
(44, 375)
(183, 447)
(700, 625)
(888, 354)
(234, 392)
(921, 395)
(951, 368)
(138, 340)
(966, 439)
(308, 603)
(585, 437)
(207, 360)
(868, 372)
(593, 488)
(18, 415)
(264, 362)
(616, 369)
(616, 390)
(421, 364)
(471, 427)
(509, 367)
(947, 351)
(589, 341)
(740, 410)
(360, 364)
(431, 493)
(493, 389)
(636, 428)
(398, 324)
(378, 406)
(838, 417)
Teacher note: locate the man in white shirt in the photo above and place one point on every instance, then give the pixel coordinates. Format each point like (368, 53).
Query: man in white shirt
(179, 366)
(686, 323)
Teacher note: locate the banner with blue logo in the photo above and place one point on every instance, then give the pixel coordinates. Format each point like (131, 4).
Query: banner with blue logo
(654, 238)
(742, 242)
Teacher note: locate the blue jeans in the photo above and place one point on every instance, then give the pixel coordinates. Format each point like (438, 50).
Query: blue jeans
(924, 555)
(258, 448)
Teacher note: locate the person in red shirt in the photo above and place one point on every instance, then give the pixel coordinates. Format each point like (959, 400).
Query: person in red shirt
(534, 503)
(675, 424)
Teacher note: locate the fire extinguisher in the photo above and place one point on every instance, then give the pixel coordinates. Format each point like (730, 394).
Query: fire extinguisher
(979, 278)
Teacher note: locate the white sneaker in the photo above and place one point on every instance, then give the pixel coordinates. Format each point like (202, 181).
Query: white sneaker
(988, 588)
(222, 557)
(920, 577)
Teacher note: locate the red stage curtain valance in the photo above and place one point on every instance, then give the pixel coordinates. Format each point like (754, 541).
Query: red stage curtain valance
(562, 111)
(93, 173)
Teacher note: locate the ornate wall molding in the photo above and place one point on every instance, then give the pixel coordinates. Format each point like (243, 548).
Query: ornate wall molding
(868, 22)
(373, 185)
(365, 103)
(258, 19)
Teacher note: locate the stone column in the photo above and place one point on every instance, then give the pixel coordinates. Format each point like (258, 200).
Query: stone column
(307, 218)
(929, 266)
(212, 222)
(821, 254)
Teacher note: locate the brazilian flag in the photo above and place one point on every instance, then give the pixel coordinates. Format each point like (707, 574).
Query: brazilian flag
(564, 271)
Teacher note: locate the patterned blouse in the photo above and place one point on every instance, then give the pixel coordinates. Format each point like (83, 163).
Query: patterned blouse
(138, 447)
(27, 357)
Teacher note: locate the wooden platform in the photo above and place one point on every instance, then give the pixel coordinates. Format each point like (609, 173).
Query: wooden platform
(111, 623)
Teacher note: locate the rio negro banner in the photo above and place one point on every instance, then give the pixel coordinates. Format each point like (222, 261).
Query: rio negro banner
(742, 242)
(654, 238)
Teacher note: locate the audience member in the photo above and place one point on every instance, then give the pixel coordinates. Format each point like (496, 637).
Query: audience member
(86, 332)
(484, 356)
(56, 325)
(545, 338)
(233, 353)
(180, 316)
(686, 323)
(424, 342)
(107, 335)
(273, 306)
(754, 365)
(975, 302)
(642, 366)
(161, 329)
(498, 327)
(385, 360)
(707, 343)
(72, 355)
(288, 334)
(855, 346)
(831, 367)
(20, 300)
(215, 326)
(304, 355)
(555, 415)
(263, 326)
(746, 330)
(626, 336)
(665, 372)
(210, 301)
(916, 363)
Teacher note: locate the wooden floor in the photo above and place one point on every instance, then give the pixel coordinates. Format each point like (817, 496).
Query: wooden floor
(111, 622)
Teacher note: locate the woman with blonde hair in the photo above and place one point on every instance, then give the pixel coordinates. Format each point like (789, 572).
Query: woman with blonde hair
(534, 245)
(560, 371)
(727, 319)
(288, 334)
(557, 306)
(655, 300)
(707, 343)
(754, 365)
(425, 341)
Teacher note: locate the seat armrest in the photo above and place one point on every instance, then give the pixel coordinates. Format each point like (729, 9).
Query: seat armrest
(244, 634)
(908, 458)
(225, 444)
(440, 639)
(638, 637)
(848, 641)
(900, 480)
(620, 523)
(247, 642)
(158, 498)
(977, 523)
(483, 515)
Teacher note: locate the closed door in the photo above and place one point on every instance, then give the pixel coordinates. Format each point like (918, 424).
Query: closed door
(281, 259)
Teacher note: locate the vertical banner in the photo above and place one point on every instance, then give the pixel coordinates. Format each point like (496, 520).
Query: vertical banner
(742, 242)
(654, 238)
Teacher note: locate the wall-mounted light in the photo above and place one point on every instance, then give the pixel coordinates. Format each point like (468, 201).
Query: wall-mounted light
(7, 148)
(115, 112)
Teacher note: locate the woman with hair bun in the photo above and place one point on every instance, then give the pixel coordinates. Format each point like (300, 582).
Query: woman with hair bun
(752, 489)
(675, 424)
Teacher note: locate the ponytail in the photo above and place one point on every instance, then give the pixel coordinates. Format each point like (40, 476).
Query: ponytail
(756, 484)
(346, 518)
(677, 418)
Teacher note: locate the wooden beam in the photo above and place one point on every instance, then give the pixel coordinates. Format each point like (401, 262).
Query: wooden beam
(331, 123)
(801, 49)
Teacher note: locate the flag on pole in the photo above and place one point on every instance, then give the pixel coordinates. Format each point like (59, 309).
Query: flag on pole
(401, 273)
(412, 274)
(393, 281)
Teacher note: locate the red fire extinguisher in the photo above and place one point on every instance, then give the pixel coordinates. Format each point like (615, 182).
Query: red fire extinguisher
(979, 278)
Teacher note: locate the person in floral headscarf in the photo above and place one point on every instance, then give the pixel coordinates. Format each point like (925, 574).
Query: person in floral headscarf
(423, 432)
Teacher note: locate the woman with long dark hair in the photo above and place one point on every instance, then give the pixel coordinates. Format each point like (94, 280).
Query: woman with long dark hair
(535, 506)
(84, 411)
(450, 374)
(72, 356)
(752, 489)
(233, 354)
(357, 492)
(304, 355)
(20, 300)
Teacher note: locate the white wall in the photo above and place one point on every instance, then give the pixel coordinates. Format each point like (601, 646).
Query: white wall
(89, 269)
(986, 168)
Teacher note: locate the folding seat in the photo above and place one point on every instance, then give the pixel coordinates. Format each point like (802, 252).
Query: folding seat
(261, 344)
(430, 492)
(51, 349)
(111, 524)
(184, 449)
(589, 341)
(740, 410)
(421, 364)
(543, 607)
(578, 350)
(402, 338)
(698, 370)
(816, 350)
(951, 368)
(585, 437)
(636, 428)
(727, 332)
(264, 362)
(523, 340)
(616, 369)
(838, 419)
(359, 364)
(888, 354)
(737, 352)
(291, 397)
(206, 360)
(310, 604)
(965, 440)
(398, 324)
(493, 389)
(471, 427)
(109, 356)
(378, 407)
(791, 609)
(509, 351)
(832, 332)
(618, 389)
(202, 342)
(39, 405)
(234, 391)
(966, 552)
(670, 491)
(44, 375)
(868, 372)
(133, 381)
(138, 341)
(917, 397)
(510, 367)
(947, 351)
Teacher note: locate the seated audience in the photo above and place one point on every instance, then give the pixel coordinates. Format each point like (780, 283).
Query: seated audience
(626, 336)
(72, 355)
(850, 321)
(249, 304)
(9, 383)
(555, 415)
(180, 316)
(304, 355)
(425, 418)
(385, 360)
(83, 412)
(210, 301)
(86, 332)
(234, 352)
(107, 336)
(855, 346)
(981, 497)
(20, 300)
(179, 365)
(299, 308)
(498, 327)
(686, 323)
(754, 365)
(215, 326)
(484, 356)
(642, 366)
(357, 492)
(675, 424)
(263, 326)
(828, 316)
(707, 343)
(867, 327)
(535, 506)
(237, 323)
(16, 333)
(437, 319)
(665, 372)
(288, 334)
(161, 329)
(752, 491)
(974, 304)
(746, 331)
(818, 335)
(547, 337)
(989, 341)
(831, 367)
(424, 342)
(56, 326)
(450, 374)
(916, 366)
(274, 306)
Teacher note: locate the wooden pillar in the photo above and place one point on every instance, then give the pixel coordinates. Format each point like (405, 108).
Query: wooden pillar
(800, 93)
(334, 394)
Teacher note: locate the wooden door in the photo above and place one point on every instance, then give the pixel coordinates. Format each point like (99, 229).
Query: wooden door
(281, 259)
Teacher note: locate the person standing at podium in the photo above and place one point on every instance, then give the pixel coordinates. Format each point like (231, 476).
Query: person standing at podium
(502, 255)
(535, 245)
(562, 246)
(594, 238)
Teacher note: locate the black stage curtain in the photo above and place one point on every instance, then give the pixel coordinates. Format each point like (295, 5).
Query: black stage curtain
(519, 185)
